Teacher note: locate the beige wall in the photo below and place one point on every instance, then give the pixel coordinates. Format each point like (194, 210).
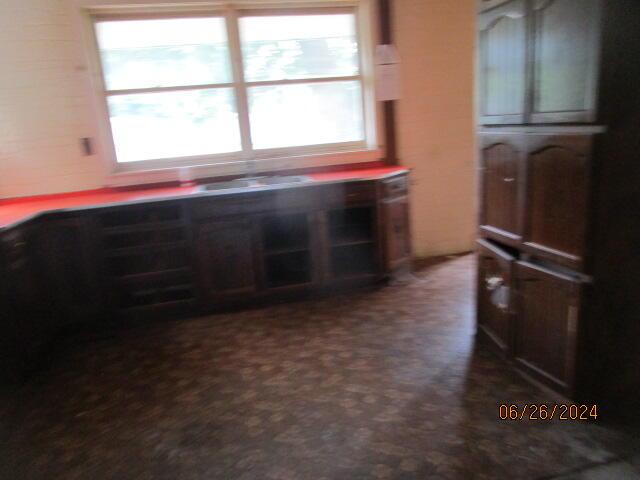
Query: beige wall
(435, 123)
(44, 106)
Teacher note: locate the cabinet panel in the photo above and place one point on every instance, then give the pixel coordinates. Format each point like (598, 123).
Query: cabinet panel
(227, 258)
(558, 170)
(565, 58)
(68, 258)
(397, 235)
(495, 289)
(502, 64)
(547, 323)
(501, 178)
(27, 322)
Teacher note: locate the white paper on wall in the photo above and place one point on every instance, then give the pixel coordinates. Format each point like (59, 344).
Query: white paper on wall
(386, 55)
(388, 85)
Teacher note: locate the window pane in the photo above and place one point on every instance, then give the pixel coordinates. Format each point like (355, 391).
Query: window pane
(305, 114)
(299, 46)
(174, 124)
(163, 53)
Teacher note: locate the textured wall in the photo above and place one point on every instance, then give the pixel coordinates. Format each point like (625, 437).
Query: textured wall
(44, 109)
(435, 120)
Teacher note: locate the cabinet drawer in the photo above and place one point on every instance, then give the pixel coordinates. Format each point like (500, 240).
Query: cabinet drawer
(141, 216)
(350, 194)
(395, 187)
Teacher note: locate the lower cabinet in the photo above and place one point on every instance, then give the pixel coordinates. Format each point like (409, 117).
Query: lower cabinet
(172, 257)
(227, 258)
(548, 311)
(495, 294)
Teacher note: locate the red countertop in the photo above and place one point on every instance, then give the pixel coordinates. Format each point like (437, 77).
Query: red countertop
(18, 209)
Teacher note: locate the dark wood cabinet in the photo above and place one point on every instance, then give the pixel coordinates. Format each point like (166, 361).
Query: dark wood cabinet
(538, 61)
(565, 60)
(67, 254)
(548, 307)
(501, 186)
(557, 198)
(169, 258)
(571, 217)
(227, 259)
(495, 294)
(502, 64)
(535, 193)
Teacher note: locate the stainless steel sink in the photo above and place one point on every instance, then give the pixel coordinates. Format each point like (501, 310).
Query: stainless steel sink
(256, 182)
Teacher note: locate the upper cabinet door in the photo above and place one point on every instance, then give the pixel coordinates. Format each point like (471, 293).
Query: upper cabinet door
(501, 187)
(502, 64)
(556, 206)
(565, 60)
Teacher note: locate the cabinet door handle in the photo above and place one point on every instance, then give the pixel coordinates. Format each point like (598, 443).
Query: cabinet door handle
(508, 179)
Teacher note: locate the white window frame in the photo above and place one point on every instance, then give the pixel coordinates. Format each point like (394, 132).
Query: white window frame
(247, 160)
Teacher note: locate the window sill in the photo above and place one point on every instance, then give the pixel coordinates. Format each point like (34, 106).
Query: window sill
(239, 167)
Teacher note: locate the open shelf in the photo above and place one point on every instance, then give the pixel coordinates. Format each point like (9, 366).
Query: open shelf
(133, 238)
(285, 233)
(157, 289)
(147, 262)
(353, 260)
(285, 269)
(351, 226)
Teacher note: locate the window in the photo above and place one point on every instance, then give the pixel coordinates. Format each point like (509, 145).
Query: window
(187, 89)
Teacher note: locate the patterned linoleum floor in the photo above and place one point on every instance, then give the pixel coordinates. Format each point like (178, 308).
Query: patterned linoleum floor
(373, 385)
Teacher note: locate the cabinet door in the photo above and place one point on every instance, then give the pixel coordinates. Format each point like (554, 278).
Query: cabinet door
(67, 255)
(547, 322)
(565, 58)
(227, 259)
(501, 187)
(495, 290)
(556, 206)
(397, 235)
(502, 64)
